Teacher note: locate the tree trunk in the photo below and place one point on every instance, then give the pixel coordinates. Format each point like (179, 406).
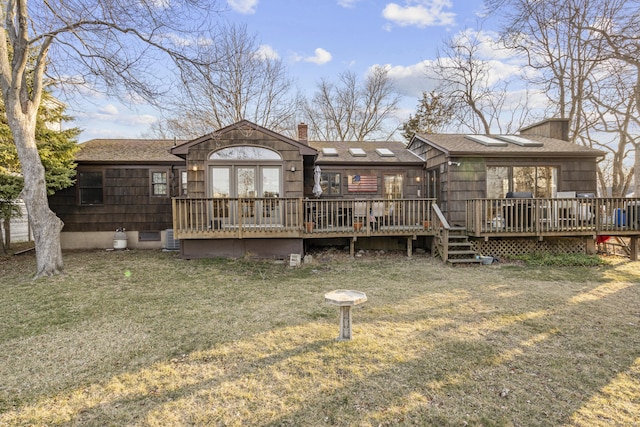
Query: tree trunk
(7, 234)
(4, 245)
(46, 225)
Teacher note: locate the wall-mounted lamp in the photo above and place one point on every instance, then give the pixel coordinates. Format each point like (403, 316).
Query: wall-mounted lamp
(417, 179)
(195, 168)
(454, 163)
(293, 168)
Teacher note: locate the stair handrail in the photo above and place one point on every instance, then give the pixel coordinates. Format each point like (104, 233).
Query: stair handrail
(442, 232)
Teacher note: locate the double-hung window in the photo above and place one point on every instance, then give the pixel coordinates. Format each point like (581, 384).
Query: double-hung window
(90, 188)
(159, 187)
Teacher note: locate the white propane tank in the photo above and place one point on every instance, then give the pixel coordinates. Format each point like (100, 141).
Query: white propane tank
(120, 239)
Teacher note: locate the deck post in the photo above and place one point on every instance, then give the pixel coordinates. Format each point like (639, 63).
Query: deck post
(409, 246)
(633, 255)
(352, 247)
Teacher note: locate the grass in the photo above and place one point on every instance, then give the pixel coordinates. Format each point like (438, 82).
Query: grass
(561, 260)
(145, 338)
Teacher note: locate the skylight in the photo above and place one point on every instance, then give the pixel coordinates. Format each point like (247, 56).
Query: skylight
(384, 152)
(330, 151)
(523, 142)
(357, 152)
(485, 140)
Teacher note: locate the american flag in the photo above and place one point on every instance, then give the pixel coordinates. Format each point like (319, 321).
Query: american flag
(363, 183)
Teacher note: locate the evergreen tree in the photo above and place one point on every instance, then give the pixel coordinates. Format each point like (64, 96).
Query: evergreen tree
(433, 114)
(57, 148)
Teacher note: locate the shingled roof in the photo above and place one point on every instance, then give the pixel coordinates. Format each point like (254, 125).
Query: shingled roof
(460, 145)
(127, 151)
(371, 150)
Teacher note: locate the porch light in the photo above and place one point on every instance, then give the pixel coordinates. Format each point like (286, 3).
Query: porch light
(195, 168)
(293, 168)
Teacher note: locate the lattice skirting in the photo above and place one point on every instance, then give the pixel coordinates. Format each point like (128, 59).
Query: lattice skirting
(511, 247)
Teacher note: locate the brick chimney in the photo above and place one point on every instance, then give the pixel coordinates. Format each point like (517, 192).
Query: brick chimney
(551, 128)
(302, 132)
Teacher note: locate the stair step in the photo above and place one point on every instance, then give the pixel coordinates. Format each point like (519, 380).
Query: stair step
(459, 244)
(464, 261)
(469, 252)
(458, 236)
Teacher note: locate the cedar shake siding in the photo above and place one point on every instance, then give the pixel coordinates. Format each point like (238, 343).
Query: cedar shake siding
(126, 203)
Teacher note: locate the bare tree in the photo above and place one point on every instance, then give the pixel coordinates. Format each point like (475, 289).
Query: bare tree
(549, 35)
(350, 110)
(108, 44)
(579, 70)
(478, 97)
(622, 47)
(243, 81)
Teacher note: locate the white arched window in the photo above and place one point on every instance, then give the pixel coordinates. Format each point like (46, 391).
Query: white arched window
(245, 171)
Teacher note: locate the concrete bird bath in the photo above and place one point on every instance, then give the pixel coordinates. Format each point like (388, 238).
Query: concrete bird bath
(345, 299)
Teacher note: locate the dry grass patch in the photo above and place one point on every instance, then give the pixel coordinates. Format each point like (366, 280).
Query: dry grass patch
(144, 338)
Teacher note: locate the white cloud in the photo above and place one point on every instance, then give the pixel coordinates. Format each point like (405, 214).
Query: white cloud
(320, 57)
(347, 3)
(109, 109)
(267, 52)
(411, 80)
(424, 14)
(243, 6)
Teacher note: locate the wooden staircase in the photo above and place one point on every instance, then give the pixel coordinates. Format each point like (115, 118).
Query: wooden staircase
(460, 250)
(452, 243)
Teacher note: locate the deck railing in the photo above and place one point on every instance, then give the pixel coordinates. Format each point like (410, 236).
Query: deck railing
(296, 217)
(571, 216)
(367, 217)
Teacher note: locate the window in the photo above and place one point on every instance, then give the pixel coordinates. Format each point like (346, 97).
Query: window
(183, 182)
(159, 184)
(433, 180)
(498, 182)
(393, 186)
(245, 152)
(245, 171)
(330, 183)
(384, 152)
(329, 152)
(541, 181)
(90, 187)
(149, 236)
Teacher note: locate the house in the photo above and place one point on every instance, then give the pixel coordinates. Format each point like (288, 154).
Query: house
(248, 191)
(126, 183)
(539, 160)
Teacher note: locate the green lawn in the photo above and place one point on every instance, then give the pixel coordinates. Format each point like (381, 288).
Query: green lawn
(145, 338)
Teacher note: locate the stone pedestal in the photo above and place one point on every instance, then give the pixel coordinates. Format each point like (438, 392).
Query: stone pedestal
(345, 299)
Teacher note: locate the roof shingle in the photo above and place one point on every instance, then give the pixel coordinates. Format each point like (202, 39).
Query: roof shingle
(127, 150)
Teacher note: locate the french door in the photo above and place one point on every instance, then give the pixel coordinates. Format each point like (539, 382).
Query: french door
(248, 194)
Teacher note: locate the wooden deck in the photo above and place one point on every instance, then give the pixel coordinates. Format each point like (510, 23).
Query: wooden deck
(211, 218)
(553, 217)
(238, 218)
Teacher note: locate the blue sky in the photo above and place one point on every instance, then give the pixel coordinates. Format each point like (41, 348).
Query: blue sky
(318, 39)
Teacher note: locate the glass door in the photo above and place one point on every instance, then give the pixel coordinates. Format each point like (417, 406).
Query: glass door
(246, 191)
(271, 181)
(220, 191)
(245, 194)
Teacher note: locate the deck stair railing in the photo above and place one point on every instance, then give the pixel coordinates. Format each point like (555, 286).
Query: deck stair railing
(441, 234)
(452, 243)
